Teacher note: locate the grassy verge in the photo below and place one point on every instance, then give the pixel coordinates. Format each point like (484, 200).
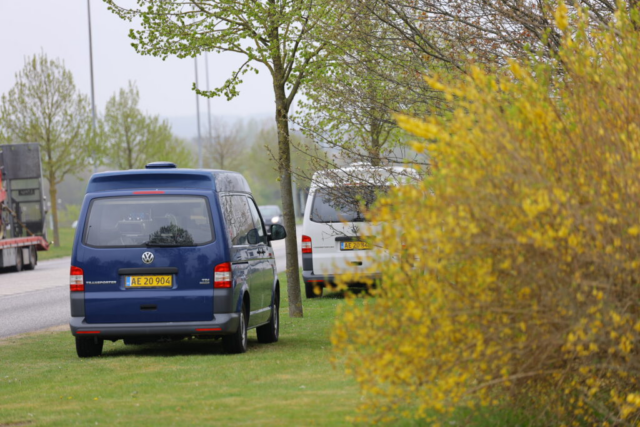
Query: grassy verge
(43, 382)
(66, 244)
(291, 382)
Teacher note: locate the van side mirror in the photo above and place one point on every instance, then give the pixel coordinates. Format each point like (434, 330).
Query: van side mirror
(253, 237)
(277, 232)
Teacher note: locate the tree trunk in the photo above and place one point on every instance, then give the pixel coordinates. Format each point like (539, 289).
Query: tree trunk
(53, 193)
(284, 169)
(375, 149)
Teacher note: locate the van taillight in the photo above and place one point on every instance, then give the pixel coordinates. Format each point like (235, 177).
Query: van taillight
(222, 275)
(306, 244)
(76, 279)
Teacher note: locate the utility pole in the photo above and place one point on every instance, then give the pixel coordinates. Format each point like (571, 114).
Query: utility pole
(93, 97)
(198, 117)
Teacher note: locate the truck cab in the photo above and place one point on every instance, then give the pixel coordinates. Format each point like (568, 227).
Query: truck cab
(22, 206)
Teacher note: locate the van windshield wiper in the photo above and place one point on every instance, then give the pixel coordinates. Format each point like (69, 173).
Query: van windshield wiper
(166, 244)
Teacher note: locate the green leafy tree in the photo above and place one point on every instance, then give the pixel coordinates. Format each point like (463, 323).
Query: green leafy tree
(262, 174)
(455, 33)
(44, 106)
(277, 34)
(350, 107)
(133, 139)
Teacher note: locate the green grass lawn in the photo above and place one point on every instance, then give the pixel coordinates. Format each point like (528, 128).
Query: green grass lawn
(66, 244)
(291, 382)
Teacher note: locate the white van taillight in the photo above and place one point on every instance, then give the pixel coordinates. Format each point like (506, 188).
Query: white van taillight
(222, 275)
(306, 244)
(76, 279)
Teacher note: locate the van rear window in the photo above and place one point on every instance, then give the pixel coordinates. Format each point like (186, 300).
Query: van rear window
(337, 204)
(145, 221)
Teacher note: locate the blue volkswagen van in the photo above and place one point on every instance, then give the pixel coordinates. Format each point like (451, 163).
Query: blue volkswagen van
(166, 253)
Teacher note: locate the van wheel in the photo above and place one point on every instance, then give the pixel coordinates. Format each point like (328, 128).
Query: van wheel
(33, 255)
(309, 290)
(237, 342)
(271, 331)
(89, 346)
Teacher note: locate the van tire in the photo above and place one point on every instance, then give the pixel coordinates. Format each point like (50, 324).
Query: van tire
(236, 343)
(271, 331)
(89, 346)
(310, 291)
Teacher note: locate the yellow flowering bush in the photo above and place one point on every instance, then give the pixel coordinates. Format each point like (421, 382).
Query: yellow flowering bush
(516, 279)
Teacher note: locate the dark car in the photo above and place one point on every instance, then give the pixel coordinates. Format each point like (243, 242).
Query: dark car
(165, 253)
(271, 214)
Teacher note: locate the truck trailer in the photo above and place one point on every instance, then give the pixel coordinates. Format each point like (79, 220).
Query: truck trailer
(22, 206)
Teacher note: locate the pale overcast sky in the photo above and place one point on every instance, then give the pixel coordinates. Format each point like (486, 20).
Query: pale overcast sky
(60, 29)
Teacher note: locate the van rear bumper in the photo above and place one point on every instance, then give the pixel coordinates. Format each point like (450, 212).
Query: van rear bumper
(223, 324)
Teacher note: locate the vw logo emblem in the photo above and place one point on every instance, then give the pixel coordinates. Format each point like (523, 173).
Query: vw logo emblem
(147, 257)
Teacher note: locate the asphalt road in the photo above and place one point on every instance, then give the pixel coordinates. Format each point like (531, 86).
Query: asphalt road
(39, 299)
(33, 300)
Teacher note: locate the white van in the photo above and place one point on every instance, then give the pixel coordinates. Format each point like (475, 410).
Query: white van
(335, 234)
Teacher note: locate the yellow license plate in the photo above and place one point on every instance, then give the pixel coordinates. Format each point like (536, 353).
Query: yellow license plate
(354, 246)
(148, 281)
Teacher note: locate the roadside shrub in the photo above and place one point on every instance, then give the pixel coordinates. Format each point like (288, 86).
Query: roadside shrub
(515, 282)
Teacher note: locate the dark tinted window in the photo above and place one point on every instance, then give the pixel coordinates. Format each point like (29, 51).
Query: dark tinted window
(337, 204)
(140, 221)
(237, 218)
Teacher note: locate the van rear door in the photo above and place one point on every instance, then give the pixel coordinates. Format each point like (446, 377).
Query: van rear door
(149, 257)
(340, 231)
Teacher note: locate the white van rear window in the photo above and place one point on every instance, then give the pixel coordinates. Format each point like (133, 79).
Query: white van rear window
(338, 204)
(146, 221)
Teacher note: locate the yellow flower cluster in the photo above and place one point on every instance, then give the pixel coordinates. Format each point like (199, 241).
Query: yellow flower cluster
(516, 281)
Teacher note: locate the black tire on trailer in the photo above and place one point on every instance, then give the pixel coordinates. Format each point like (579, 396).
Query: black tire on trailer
(237, 343)
(33, 258)
(89, 346)
(309, 290)
(271, 331)
(19, 265)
